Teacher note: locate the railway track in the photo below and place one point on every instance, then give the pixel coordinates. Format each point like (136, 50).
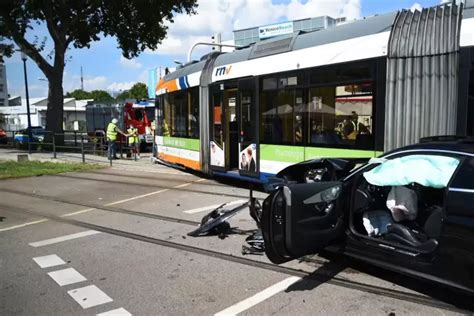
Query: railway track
(316, 276)
(149, 185)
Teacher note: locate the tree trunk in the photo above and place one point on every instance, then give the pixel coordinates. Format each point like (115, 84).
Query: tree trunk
(55, 109)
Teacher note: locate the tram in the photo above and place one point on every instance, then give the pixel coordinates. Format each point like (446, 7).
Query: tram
(351, 91)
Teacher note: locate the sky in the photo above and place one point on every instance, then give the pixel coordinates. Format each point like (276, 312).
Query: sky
(104, 67)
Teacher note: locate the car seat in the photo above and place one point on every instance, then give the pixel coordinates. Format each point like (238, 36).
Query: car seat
(410, 234)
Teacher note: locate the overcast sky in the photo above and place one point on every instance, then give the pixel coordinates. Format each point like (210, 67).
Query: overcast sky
(104, 67)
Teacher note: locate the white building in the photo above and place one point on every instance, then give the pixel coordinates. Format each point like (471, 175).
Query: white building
(16, 115)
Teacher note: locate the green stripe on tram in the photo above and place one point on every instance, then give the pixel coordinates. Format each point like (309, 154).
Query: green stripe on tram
(295, 154)
(184, 143)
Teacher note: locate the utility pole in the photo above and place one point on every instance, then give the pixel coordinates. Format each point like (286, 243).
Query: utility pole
(24, 57)
(82, 81)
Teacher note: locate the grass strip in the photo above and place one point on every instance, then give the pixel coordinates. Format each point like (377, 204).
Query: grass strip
(13, 169)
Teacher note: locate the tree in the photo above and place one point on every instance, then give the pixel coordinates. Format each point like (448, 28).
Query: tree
(101, 96)
(137, 91)
(137, 25)
(79, 94)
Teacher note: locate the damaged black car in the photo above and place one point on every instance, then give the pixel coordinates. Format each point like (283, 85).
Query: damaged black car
(410, 211)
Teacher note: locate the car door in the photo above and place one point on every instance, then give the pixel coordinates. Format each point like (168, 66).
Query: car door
(301, 219)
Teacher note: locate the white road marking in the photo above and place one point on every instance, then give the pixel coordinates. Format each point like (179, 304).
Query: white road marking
(89, 296)
(136, 197)
(151, 171)
(66, 276)
(63, 238)
(211, 207)
(78, 212)
(182, 185)
(200, 180)
(49, 261)
(23, 225)
(259, 297)
(116, 312)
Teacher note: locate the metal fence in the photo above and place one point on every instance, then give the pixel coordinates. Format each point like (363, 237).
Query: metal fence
(94, 143)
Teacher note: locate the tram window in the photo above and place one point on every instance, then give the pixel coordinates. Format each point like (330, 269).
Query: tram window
(246, 132)
(341, 73)
(270, 84)
(341, 115)
(193, 115)
(217, 118)
(181, 114)
(277, 117)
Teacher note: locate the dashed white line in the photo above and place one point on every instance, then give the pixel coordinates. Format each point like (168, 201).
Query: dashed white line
(211, 207)
(49, 261)
(78, 212)
(116, 312)
(89, 296)
(66, 276)
(259, 297)
(63, 238)
(23, 225)
(182, 185)
(136, 197)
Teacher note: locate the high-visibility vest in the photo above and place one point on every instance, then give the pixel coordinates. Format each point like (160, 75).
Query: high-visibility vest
(134, 138)
(166, 130)
(112, 131)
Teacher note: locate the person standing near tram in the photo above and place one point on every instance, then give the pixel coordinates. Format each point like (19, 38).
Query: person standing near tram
(112, 131)
(134, 142)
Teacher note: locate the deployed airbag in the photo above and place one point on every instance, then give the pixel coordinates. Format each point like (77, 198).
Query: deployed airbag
(427, 170)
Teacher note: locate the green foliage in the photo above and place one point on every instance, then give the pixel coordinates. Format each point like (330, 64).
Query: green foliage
(13, 169)
(137, 91)
(123, 96)
(5, 49)
(79, 94)
(137, 25)
(101, 96)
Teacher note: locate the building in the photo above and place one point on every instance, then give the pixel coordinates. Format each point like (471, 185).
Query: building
(251, 35)
(15, 115)
(3, 84)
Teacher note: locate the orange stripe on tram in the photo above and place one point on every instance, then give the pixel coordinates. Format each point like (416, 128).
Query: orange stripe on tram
(193, 164)
(169, 86)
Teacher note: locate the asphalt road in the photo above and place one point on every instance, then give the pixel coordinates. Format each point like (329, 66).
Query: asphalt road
(115, 241)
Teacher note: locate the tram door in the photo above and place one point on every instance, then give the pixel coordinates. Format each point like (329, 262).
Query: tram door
(248, 155)
(224, 128)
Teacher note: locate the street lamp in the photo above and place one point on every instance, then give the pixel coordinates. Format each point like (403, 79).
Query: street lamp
(24, 57)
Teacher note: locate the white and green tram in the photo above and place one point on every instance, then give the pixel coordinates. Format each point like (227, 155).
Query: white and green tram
(351, 91)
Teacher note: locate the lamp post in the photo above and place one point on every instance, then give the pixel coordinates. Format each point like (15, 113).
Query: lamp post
(24, 57)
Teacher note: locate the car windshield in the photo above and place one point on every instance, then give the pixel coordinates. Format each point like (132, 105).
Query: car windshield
(428, 170)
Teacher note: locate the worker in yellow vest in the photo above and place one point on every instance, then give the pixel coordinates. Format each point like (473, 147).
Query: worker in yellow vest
(112, 131)
(134, 142)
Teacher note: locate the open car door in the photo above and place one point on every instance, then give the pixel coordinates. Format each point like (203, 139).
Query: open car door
(301, 219)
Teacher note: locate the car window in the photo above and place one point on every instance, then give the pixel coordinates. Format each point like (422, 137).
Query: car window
(428, 170)
(464, 179)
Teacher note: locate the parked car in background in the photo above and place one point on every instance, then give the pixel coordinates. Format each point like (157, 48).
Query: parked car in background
(21, 137)
(410, 211)
(3, 136)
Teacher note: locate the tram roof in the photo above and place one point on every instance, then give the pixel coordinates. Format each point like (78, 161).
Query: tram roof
(301, 40)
